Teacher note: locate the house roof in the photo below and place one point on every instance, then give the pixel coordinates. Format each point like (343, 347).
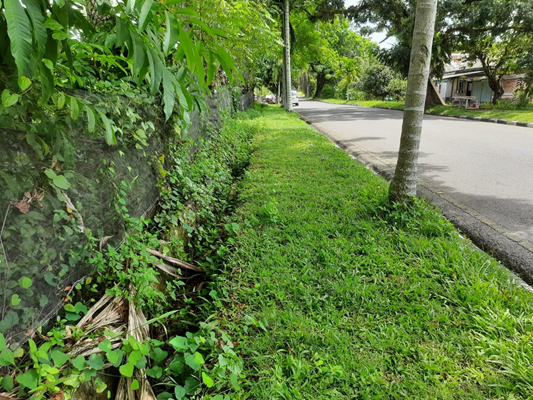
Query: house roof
(455, 74)
(458, 66)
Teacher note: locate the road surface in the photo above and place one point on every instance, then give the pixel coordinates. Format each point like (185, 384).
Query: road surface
(480, 174)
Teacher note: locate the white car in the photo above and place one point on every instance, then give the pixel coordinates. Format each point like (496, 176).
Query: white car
(294, 98)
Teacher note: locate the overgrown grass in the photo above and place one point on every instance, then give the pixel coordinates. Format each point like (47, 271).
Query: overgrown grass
(334, 294)
(508, 115)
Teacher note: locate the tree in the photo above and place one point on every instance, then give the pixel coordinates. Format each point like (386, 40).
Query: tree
(493, 32)
(287, 103)
(403, 185)
(350, 69)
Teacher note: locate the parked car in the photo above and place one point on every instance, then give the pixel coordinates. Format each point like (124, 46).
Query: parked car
(294, 98)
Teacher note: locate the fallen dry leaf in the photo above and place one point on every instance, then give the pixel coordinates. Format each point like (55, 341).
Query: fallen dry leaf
(58, 395)
(23, 206)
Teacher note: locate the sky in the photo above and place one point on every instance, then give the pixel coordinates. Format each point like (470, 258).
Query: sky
(378, 36)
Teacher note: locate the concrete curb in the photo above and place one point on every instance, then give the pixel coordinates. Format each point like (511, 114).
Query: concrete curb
(469, 117)
(514, 252)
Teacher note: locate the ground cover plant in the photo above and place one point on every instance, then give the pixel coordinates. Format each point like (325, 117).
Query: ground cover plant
(524, 115)
(335, 294)
(179, 350)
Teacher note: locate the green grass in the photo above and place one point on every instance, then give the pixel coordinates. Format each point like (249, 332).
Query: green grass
(508, 115)
(369, 103)
(333, 294)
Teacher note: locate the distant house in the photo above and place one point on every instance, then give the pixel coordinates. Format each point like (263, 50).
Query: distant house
(464, 78)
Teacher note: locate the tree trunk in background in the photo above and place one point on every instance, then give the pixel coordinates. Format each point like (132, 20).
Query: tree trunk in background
(403, 186)
(287, 57)
(320, 83)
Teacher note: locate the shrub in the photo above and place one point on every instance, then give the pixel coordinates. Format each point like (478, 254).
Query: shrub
(376, 80)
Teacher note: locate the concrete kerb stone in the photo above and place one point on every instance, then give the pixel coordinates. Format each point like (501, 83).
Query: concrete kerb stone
(469, 117)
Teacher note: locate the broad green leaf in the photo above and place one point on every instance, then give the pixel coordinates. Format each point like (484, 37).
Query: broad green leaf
(123, 33)
(179, 392)
(8, 98)
(61, 182)
(37, 17)
(114, 357)
(227, 63)
(158, 355)
(91, 119)
(179, 343)
(169, 93)
(54, 25)
(185, 11)
(190, 359)
(171, 33)
(100, 385)
(15, 300)
(155, 372)
(198, 358)
(19, 32)
(59, 358)
(29, 379)
(189, 49)
(3, 342)
(70, 308)
(60, 100)
(127, 370)
(110, 132)
(19, 352)
(47, 80)
(211, 67)
(50, 173)
(177, 365)
(135, 384)
(208, 381)
(201, 24)
(25, 282)
(73, 380)
(146, 15)
(138, 53)
(130, 5)
(75, 108)
(105, 345)
(8, 383)
(79, 362)
(24, 82)
(95, 361)
(156, 69)
(7, 358)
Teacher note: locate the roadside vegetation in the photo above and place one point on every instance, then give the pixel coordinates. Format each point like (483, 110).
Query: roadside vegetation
(496, 112)
(333, 293)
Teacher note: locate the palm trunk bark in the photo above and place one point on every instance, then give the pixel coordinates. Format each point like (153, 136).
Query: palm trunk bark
(287, 59)
(403, 186)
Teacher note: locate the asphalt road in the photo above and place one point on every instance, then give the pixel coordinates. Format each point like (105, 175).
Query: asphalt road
(480, 174)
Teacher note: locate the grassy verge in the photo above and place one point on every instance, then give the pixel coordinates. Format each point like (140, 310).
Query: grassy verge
(508, 115)
(333, 294)
(369, 103)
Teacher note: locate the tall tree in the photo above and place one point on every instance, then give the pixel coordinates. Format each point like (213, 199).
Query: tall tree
(403, 185)
(287, 103)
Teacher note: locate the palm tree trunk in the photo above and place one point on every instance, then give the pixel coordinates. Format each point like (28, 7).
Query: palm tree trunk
(287, 58)
(403, 186)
